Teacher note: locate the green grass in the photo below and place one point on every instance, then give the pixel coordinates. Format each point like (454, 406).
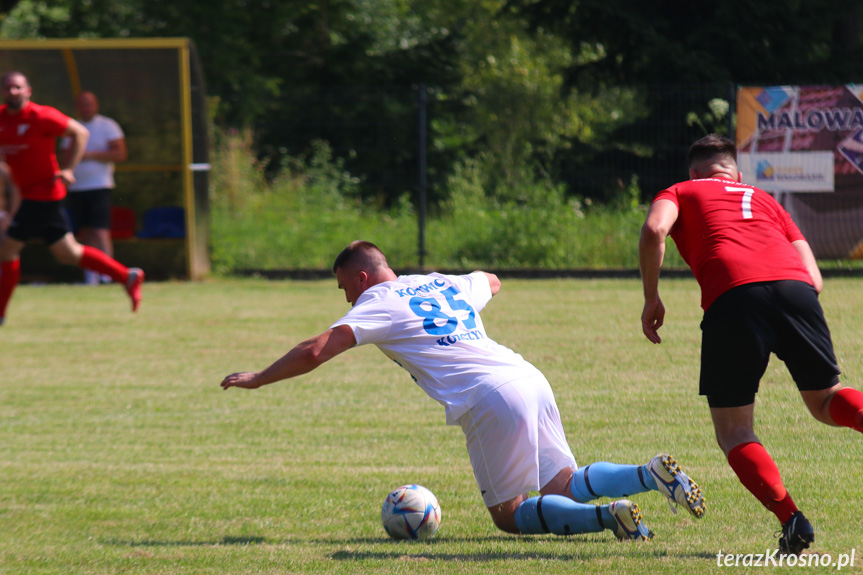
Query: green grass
(119, 453)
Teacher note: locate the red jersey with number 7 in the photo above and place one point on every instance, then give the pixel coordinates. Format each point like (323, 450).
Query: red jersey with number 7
(732, 234)
(28, 143)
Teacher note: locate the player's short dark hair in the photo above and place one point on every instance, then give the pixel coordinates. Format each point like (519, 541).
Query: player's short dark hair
(360, 254)
(712, 146)
(11, 73)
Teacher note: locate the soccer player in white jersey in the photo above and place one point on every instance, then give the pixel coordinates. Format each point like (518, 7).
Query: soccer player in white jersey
(430, 325)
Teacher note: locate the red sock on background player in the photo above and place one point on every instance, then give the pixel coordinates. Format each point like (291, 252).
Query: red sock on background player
(10, 275)
(98, 261)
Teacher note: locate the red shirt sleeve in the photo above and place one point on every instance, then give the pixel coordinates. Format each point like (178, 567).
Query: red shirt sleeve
(52, 122)
(792, 232)
(668, 194)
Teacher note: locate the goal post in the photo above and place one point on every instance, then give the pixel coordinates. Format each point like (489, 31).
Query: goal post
(154, 88)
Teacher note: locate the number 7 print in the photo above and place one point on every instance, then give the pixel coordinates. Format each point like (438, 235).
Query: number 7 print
(745, 202)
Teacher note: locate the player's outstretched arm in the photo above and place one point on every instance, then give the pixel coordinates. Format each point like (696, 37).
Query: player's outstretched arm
(303, 358)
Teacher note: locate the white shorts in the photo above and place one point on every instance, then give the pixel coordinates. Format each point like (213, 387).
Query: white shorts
(515, 440)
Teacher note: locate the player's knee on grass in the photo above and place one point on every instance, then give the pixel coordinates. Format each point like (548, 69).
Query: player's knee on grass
(503, 515)
(561, 516)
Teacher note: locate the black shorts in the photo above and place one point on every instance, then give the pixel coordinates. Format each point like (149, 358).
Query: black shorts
(746, 323)
(90, 209)
(46, 220)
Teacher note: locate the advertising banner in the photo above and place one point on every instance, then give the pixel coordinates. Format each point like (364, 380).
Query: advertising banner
(804, 144)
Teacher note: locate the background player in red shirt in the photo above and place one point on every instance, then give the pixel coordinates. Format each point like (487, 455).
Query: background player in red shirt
(28, 134)
(759, 283)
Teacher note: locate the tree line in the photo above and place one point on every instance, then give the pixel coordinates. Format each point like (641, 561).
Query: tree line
(528, 89)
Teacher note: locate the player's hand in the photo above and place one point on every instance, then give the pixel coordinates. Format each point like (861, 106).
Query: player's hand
(652, 319)
(67, 175)
(246, 380)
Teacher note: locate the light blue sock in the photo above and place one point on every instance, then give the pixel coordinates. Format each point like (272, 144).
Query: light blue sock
(602, 479)
(562, 516)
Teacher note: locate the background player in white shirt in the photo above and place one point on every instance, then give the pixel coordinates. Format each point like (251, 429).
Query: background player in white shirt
(89, 198)
(430, 326)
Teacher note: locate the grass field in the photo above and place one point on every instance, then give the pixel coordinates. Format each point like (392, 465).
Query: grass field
(119, 453)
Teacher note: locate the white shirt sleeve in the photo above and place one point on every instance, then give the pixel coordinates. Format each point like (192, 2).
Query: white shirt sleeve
(113, 131)
(476, 288)
(369, 320)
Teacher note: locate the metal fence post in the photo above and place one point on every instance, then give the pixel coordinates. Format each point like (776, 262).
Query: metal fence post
(423, 162)
(732, 110)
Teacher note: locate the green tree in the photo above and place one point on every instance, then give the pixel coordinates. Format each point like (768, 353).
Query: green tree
(680, 41)
(541, 90)
(679, 54)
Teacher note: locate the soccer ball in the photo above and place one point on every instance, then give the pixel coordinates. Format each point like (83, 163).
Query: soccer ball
(411, 512)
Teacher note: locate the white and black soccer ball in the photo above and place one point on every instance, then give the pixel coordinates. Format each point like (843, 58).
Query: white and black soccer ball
(411, 512)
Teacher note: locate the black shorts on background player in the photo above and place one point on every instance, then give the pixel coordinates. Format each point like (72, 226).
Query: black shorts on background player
(45, 220)
(90, 209)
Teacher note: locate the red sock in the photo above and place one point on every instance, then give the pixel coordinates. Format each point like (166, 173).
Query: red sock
(758, 473)
(10, 275)
(846, 408)
(98, 261)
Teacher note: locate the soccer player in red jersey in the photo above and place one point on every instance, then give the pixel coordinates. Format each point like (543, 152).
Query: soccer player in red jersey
(759, 291)
(28, 134)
